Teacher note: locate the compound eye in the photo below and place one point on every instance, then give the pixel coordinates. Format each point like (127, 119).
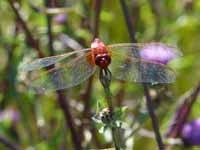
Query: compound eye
(107, 58)
(98, 60)
(102, 60)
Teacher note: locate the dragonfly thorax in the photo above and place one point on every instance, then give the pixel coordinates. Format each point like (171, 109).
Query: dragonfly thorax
(102, 60)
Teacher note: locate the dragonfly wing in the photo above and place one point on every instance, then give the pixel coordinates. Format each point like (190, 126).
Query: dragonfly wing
(133, 49)
(47, 61)
(64, 76)
(130, 68)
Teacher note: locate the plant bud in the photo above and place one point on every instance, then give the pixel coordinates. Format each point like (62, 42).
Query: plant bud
(191, 132)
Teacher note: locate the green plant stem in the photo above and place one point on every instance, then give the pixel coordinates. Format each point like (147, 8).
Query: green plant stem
(115, 137)
(105, 79)
(114, 130)
(109, 98)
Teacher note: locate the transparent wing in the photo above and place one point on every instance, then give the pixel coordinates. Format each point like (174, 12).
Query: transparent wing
(63, 75)
(47, 61)
(133, 49)
(125, 66)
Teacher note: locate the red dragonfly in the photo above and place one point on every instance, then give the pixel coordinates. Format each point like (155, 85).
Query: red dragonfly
(123, 60)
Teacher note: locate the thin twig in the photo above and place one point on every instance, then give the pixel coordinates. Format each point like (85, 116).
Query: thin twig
(128, 21)
(30, 38)
(62, 99)
(69, 119)
(135, 13)
(146, 91)
(98, 5)
(49, 28)
(153, 118)
(156, 9)
(7, 143)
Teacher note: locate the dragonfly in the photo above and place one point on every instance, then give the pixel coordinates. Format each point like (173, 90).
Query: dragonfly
(72, 68)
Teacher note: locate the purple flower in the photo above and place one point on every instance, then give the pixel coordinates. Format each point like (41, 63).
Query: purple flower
(9, 114)
(158, 52)
(191, 132)
(60, 18)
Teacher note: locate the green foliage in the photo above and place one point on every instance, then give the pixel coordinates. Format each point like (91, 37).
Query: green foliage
(42, 124)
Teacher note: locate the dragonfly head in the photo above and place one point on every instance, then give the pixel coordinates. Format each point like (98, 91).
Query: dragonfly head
(102, 60)
(97, 44)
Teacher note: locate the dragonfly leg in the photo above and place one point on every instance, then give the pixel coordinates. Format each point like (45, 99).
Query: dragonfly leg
(105, 77)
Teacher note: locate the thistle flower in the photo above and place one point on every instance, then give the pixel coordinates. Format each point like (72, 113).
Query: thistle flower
(191, 132)
(60, 18)
(159, 52)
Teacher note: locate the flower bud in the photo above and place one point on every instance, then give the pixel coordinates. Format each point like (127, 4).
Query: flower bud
(106, 115)
(191, 132)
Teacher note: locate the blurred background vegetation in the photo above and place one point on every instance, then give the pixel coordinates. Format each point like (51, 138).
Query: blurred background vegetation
(60, 120)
